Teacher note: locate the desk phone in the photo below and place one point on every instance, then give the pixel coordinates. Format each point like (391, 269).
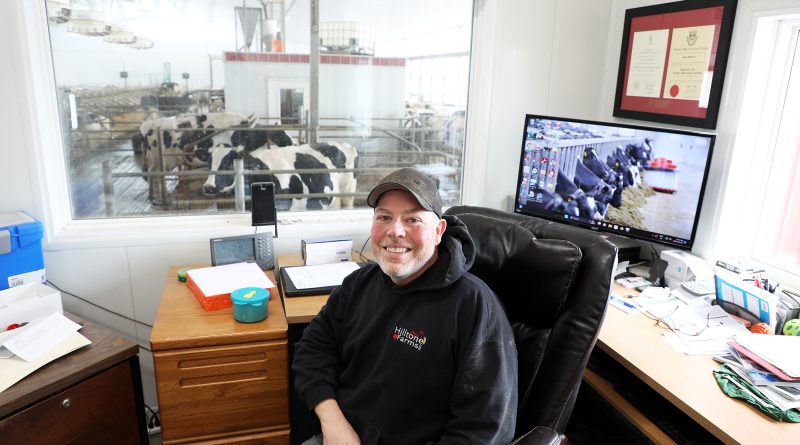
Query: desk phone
(256, 247)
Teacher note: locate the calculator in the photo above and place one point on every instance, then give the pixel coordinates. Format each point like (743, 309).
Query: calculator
(699, 287)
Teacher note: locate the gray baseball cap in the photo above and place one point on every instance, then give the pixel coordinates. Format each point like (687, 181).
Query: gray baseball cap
(421, 186)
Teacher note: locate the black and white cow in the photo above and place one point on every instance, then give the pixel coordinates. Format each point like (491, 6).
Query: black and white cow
(603, 171)
(618, 160)
(176, 134)
(570, 193)
(332, 155)
(594, 187)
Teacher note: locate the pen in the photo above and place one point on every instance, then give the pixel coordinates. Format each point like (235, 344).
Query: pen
(622, 302)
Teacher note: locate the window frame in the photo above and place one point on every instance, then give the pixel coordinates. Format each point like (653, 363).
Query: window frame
(747, 177)
(48, 165)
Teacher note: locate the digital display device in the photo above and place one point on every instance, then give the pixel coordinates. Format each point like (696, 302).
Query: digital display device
(245, 248)
(634, 181)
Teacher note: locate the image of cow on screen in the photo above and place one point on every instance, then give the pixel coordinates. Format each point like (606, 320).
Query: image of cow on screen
(636, 181)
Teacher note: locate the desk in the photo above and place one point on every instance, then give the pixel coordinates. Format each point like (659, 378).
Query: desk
(91, 395)
(686, 381)
(218, 380)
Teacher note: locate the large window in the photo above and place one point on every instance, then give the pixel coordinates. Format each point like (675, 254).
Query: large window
(175, 107)
(763, 213)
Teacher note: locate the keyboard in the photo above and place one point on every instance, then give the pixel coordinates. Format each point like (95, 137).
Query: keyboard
(699, 287)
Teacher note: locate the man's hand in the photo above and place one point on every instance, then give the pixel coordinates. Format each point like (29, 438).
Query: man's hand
(336, 430)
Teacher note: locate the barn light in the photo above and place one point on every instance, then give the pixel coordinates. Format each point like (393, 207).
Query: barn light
(120, 35)
(142, 43)
(58, 11)
(88, 23)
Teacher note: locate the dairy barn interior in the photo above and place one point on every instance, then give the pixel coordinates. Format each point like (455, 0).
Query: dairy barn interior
(180, 78)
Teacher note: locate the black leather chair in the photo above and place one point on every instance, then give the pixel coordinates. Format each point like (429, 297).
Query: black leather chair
(554, 281)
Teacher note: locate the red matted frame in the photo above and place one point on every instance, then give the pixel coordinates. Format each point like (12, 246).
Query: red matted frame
(670, 53)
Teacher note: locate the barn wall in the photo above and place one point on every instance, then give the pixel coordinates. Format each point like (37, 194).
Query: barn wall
(362, 91)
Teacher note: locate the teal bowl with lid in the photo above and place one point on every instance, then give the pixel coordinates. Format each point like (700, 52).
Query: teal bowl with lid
(250, 304)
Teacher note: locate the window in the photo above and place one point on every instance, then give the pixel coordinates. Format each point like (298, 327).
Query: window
(164, 105)
(763, 188)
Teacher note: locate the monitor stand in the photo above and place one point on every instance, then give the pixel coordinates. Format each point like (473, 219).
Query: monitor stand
(628, 249)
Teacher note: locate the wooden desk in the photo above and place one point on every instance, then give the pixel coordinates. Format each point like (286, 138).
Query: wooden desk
(218, 380)
(686, 381)
(91, 395)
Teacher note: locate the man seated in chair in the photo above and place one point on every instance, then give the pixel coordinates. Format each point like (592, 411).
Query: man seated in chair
(413, 349)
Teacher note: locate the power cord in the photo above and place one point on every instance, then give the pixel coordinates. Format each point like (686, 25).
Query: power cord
(361, 252)
(153, 421)
(102, 308)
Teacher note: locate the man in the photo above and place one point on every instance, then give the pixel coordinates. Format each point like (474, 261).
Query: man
(413, 349)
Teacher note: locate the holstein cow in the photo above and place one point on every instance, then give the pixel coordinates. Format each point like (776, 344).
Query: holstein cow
(594, 187)
(603, 171)
(570, 193)
(323, 155)
(172, 132)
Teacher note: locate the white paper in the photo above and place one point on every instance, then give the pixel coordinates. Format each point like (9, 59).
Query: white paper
(780, 350)
(219, 280)
(41, 336)
(322, 275)
(711, 340)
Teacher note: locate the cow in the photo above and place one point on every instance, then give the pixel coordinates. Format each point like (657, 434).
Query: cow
(641, 153)
(603, 171)
(594, 187)
(619, 162)
(175, 142)
(570, 193)
(332, 155)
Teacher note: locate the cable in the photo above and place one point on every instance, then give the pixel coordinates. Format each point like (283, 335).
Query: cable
(98, 306)
(361, 252)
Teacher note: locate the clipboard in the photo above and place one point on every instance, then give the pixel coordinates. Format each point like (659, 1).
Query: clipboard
(290, 290)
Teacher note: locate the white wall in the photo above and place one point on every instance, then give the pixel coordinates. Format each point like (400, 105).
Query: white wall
(555, 57)
(362, 91)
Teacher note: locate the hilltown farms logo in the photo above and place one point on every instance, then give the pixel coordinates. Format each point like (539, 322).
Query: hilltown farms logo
(415, 339)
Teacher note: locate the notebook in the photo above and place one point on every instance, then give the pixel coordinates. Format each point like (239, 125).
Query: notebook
(303, 281)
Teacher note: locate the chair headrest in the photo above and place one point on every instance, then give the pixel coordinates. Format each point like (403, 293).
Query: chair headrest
(532, 277)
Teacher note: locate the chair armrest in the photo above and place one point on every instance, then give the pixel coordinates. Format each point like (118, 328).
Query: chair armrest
(541, 435)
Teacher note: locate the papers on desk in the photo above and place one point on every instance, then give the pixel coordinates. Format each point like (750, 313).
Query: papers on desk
(321, 275)
(40, 342)
(780, 351)
(701, 330)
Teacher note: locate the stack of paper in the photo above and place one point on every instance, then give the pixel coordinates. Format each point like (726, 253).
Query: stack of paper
(27, 349)
(213, 285)
(775, 377)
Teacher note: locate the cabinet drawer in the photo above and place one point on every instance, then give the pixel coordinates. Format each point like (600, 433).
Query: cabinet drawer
(101, 409)
(218, 392)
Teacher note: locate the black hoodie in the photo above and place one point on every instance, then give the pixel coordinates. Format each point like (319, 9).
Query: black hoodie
(433, 361)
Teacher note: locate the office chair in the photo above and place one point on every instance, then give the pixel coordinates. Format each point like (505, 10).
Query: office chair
(554, 281)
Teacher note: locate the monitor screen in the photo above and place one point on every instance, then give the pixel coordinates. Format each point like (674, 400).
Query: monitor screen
(635, 181)
(235, 250)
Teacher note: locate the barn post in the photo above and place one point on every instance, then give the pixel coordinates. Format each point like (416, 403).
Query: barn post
(313, 62)
(161, 180)
(238, 181)
(108, 188)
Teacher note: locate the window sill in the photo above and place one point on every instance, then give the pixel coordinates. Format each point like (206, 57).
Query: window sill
(88, 234)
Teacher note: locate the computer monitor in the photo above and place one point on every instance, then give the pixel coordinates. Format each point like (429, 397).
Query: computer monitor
(634, 181)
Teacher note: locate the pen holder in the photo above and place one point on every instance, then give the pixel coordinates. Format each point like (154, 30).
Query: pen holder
(250, 304)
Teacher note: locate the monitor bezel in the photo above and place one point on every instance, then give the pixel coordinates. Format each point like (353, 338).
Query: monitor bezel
(550, 216)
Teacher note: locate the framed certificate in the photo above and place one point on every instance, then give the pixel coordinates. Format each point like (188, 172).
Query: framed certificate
(672, 63)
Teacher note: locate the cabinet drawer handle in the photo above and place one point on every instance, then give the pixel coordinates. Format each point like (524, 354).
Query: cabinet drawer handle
(66, 403)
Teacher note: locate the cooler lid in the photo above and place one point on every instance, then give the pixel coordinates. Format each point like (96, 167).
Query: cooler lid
(15, 218)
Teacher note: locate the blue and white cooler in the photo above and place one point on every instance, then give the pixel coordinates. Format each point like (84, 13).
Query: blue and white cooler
(21, 259)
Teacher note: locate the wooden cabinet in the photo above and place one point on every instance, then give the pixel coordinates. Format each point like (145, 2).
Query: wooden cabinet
(218, 380)
(92, 395)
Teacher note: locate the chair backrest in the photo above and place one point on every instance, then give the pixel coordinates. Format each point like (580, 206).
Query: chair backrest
(554, 281)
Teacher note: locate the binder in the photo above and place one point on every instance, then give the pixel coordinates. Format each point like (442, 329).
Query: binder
(291, 290)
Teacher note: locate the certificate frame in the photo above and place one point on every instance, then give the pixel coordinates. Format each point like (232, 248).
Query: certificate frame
(672, 62)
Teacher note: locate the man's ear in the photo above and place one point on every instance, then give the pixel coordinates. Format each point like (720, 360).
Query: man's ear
(441, 226)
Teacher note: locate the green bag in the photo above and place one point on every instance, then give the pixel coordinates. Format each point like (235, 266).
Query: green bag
(735, 386)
